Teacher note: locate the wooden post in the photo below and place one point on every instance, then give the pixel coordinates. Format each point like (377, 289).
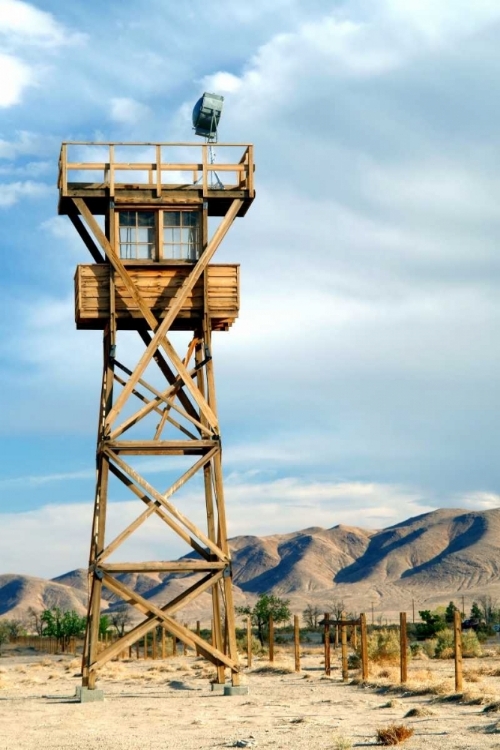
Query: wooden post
(355, 637)
(185, 648)
(212, 632)
(296, 642)
(343, 641)
(403, 642)
(336, 644)
(249, 642)
(174, 645)
(146, 645)
(154, 644)
(271, 639)
(198, 628)
(457, 628)
(163, 644)
(137, 649)
(364, 646)
(327, 643)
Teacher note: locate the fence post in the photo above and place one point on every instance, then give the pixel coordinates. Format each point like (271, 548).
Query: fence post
(271, 638)
(364, 646)
(184, 646)
(403, 642)
(343, 641)
(296, 642)
(174, 646)
(154, 643)
(457, 628)
(355, 637)
(163, 644)
(327, 643)
(336, 642)
(249, 642)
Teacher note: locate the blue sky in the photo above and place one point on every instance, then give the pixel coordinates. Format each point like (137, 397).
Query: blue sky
(359, 385)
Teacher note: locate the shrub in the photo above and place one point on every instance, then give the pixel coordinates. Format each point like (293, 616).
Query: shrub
(383, 645)
(470, 644)
(445, 644)
(394, 734)
(429, 647)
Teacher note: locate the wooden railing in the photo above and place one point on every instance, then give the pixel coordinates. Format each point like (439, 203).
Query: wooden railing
(159, 173)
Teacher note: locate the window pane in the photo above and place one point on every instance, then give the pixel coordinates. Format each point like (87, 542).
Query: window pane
(171, 218)
(168, 235)
(126, 251)
(144, 251)
(185, 234)
(190, 218)
(146, 218)
(127, 218)
(127, 234)
(145, 234)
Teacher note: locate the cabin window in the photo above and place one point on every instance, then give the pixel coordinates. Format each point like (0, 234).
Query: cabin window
(181, 235)
(137, 235)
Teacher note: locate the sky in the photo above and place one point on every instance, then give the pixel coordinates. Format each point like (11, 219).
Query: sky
(359, 384)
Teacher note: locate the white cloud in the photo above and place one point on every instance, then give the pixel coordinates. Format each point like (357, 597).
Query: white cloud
(16, 76)
(12, 192)
(128, 111)
(26, 142)
(279, 506)
(22, 22)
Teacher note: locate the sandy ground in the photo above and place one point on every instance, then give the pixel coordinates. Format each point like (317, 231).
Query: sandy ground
(167, 704)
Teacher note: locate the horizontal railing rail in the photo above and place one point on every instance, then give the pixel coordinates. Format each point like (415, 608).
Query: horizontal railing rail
(154, 173)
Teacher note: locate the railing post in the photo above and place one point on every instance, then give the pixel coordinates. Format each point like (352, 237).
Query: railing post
(249, 641)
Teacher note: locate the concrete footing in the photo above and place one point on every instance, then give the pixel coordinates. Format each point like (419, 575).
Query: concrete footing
(85, 695)
(217, 687)
(235, 689)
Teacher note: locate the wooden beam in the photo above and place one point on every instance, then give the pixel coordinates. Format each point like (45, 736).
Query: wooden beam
(172, 312)
(179, 631)
(136, 477)
(157, 340)
(140, 630)
(86, 237)
(162, 447)
(188, 566)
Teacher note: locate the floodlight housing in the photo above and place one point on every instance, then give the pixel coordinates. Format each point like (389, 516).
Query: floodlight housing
(206, 115)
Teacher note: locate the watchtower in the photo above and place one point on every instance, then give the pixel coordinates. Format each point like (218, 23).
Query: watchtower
(143, 211)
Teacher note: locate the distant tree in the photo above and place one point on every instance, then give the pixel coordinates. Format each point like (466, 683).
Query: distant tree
(432, 623)
(4, 633)
(267, 606)
(35, 621)
(487, 605)
(311, 615)
(104, 625)
(336, 608)
(62, 625)
(475, 612)
(449, 614)
(120, 618)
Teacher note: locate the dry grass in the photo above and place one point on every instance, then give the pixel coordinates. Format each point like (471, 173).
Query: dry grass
(392, 703)
(419, 712)
(394, 734)
(492, 707)
(270, 669)
(342, 743)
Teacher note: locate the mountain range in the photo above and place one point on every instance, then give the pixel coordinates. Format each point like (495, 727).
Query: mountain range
(449, 554)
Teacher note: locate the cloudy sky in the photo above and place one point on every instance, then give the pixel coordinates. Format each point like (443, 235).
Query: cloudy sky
(359, 385)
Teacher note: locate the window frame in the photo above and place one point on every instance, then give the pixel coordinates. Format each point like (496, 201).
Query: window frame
(158, 256)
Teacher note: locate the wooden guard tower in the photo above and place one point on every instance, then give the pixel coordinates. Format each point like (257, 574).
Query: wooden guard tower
(152, 273)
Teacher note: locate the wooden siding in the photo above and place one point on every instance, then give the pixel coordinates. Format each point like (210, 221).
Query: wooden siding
(157, 285)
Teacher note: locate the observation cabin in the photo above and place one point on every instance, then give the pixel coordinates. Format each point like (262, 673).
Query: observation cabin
(152, 202)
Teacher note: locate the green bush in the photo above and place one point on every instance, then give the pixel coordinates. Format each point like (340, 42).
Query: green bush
(445, 643)
(383, 645)
(470, 644)
(429, 647)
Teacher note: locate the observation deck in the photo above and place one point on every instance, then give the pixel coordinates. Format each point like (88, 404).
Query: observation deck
(156, 199)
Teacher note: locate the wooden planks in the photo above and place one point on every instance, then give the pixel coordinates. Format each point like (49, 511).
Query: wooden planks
(157, 285)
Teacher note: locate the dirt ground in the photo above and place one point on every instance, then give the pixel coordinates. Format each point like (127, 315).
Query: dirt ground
(168, 704)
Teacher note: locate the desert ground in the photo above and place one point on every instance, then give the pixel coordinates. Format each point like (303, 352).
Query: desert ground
(160, 704)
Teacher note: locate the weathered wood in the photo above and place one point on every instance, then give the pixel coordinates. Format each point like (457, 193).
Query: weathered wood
(326, 639)
(457, 632)
(249, 642)
(343, 642)
(157, 287)
(271, 638)
(151, 567)
(296, 642)
(364, 646)
(403, 640)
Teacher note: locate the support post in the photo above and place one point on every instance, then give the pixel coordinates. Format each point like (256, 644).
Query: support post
(343, 641)
(457, 628)
(326, 638)
(403, 642)
(364, 646)
(249, 642)
(271, 639)
(296, 642)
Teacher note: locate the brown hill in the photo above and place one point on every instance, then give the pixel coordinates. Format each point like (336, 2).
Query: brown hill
(431, 558)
